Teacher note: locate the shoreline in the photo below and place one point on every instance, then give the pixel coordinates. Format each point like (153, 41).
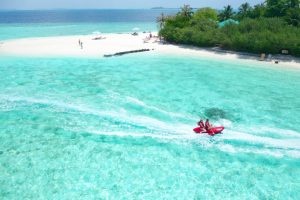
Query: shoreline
(112, 43)
(186, 50)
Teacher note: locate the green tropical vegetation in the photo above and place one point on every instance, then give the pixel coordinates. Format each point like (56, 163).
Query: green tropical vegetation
(269, 27)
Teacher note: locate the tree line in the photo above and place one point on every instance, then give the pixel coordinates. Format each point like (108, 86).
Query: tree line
(269, 27)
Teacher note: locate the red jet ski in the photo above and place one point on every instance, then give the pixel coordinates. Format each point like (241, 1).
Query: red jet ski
(213, 131)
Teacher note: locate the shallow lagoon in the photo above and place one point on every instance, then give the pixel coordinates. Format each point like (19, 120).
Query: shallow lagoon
(121, 128)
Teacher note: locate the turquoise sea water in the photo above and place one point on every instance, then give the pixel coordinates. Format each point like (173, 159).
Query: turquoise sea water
(121, 128)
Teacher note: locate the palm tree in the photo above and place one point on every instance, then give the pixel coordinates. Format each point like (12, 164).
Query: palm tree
(295, 3)
(293, 16)
(186, 11)
(258, 11)
(244, 10)
(161, 21)
(227, 13)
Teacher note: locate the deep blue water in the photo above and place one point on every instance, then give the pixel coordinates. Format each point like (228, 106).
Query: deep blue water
(44, 23)
(76, 16)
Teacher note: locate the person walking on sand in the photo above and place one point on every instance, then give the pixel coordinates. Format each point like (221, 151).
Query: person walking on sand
(81, 45)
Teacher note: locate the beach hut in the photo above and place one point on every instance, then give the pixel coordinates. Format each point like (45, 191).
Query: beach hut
(285, 51)
(226, 22)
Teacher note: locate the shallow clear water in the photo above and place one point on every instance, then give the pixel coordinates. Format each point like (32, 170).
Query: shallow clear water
(121, 128)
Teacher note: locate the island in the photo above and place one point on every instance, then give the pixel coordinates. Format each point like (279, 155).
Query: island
(269, 28)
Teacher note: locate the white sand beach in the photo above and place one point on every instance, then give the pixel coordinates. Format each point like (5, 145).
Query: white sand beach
(68, 46)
